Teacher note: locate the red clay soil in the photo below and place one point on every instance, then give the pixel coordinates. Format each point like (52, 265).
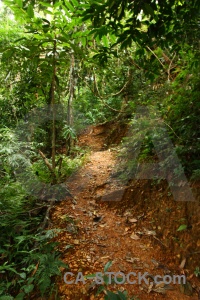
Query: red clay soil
(98, 229)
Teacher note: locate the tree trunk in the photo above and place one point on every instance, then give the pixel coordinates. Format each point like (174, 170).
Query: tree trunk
(72, 85)
(53, 110)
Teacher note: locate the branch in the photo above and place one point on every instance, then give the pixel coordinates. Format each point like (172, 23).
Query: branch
(97, 89)
(45, 221)
(46, 218)
(169, 69)
(134, 63)
(118, 93)
(172, 130)
(156, 57)
(49, 166)
(166, 59)
(99, 96)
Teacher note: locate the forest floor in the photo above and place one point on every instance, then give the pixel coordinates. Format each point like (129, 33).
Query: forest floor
(99, 227)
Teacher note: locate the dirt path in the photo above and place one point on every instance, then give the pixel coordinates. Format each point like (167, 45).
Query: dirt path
(97, 233)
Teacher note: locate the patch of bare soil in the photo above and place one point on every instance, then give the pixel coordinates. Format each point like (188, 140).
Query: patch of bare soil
(109, 221)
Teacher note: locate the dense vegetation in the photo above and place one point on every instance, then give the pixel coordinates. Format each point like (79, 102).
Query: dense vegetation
(68, 64)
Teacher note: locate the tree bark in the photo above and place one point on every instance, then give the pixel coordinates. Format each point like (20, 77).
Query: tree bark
(53, 108)
(72, 85)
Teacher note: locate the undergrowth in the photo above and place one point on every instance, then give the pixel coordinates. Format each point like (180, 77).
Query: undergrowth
(29, 260)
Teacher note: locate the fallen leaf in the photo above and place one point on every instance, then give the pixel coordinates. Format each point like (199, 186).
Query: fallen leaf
(133, 220)
(132, 259)
(134, 236)
(150, 287)
(160, 285)
(105, 257)
(160, 290)
(102, 225)
(182, 265)
(149, 232)
(127, 213)
(76, 242)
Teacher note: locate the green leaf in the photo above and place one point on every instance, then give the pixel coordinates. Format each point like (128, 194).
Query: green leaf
(45, 4)
(23, 38)
(120, 279)
(28, 288)
(19, 3)
(83, 41)
(57, 4)
(20, 296)
(112, 38)
(45, 28)
(69, 6)
(123, 296)
(182, 227)
(38, 37)
(148, 9)
(22, 275)
(100, 289)
(90, 276)
(126, 43)
(105, 41)
(65, 45)
(75, 3)
(111, 296)
(30, 11)
(66, 11)
(119, 11)
(107, 266)
(7, 54)
(112, 3)
(48, 12)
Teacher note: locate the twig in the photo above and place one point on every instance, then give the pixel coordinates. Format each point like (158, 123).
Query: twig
(36, 208)
(108, 96)
(134, 63)
(44, 223)
(46, 218)
(172, 130)
(60, 165)
(49, 166)
(111, 95)
(156, 57)
(102, 98)
(159, 241)
(169, 69)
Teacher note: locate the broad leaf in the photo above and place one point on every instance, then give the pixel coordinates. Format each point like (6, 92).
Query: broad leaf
(30, 11)
(111, 296)
(148, 9)
(182, 227)
(28, 288)
(19, 3)
(105, 41)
